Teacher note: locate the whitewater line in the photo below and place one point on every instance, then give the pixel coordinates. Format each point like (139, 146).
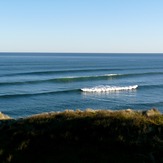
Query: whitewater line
(109, 88)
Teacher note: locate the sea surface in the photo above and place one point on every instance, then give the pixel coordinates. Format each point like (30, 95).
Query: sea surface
(32, 83)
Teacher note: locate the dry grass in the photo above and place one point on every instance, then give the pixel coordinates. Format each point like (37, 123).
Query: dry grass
(3, 116)
(84, 136)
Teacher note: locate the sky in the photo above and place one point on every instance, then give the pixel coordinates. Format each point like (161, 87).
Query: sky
(101, 26)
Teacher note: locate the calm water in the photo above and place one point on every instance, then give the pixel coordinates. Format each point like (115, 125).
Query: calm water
(35, 83)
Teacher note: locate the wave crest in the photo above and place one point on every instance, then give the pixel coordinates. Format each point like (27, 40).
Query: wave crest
(108, 88)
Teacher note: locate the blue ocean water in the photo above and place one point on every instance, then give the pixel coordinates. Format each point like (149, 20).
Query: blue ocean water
(32, 83)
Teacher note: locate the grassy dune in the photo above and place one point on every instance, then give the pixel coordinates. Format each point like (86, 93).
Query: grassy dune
(84, 136)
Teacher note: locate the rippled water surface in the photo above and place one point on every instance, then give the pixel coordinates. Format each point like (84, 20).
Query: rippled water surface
(32, 83)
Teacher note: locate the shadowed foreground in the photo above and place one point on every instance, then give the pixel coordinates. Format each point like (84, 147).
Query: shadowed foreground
(84, 136)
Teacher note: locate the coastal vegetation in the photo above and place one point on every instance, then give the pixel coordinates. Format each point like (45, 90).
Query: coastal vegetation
(83, 136)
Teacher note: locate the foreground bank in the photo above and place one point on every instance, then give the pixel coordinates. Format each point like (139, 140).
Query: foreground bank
(83, 136)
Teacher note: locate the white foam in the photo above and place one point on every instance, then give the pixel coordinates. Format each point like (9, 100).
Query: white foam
(111, 74)
(91, 76)
(108, 88)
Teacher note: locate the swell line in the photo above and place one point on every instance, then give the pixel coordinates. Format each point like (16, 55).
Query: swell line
(71, 71)
(80, 78)
(89, 90)
(140, 74)
(61, 80)
(36, 94)
(58, 72)
(153, 86)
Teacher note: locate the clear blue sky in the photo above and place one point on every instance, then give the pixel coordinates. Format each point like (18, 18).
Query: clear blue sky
(81, 26)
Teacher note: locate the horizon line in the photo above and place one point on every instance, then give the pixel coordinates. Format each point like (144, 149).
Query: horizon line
(90, 52)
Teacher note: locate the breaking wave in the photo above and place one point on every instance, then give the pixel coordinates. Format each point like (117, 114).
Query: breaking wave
(109, 88)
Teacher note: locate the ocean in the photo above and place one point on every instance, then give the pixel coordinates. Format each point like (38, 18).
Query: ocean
(32, 83)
